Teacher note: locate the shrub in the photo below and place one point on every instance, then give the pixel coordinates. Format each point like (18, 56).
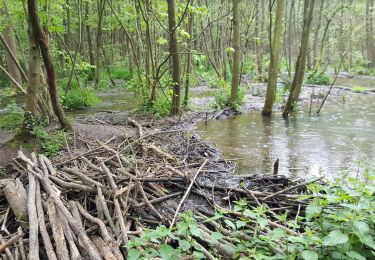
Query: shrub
(318, 79)
(222, 99)
(358, 89)
(161, 107)
(120, 72)
(79, 99)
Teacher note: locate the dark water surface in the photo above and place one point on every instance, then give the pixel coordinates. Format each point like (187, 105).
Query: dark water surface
(305, 145)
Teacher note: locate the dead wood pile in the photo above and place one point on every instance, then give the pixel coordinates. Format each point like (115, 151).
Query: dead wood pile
(88, 204)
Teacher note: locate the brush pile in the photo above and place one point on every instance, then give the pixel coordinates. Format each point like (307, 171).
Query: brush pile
(88, 203)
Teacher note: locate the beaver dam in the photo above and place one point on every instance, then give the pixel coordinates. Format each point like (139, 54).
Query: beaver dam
(91, 201)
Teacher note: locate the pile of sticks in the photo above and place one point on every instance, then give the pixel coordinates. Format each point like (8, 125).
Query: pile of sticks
(88, 203)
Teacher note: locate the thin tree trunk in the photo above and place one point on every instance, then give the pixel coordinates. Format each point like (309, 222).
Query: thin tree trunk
(189, 57)
(89, 40)
(12, 66)
(42, 39)
(301, 60)
(370, 46)
(173, 48)
(273, 67)
(237, 51)
(99, 40)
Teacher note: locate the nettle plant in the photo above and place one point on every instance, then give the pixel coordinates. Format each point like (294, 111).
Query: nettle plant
(337, 223)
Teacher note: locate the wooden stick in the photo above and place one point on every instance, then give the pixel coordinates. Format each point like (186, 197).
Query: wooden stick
(57, 231)
(42, 225)
(5, 245)
(21, 245)
(82, 176)
(148, 202)
(186, 195)
(33, 218)
(291, 188)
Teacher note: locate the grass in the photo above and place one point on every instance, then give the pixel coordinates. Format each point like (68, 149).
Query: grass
(358, 89)
(11, 121)
(79, 99)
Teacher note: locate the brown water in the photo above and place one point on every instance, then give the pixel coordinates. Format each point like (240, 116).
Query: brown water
(306, 145)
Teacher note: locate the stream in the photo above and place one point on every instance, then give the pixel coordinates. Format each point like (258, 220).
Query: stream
(335, 142)
(338, 140)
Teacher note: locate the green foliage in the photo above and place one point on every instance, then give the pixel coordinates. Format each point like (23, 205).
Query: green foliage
(120, 72)
(338, 223)
(358, 89)
(318, 79)
(79, 99)
(161, 107)
(223, 100)
(51, 143)
(11, 121)
(249, 66)
(12, 118)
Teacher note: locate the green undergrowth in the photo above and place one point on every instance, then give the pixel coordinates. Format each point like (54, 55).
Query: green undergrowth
(12, 118)
(79, 99)
(316, 78)
(223, 100)
(338, 222)
(358, 89)
(49, 143)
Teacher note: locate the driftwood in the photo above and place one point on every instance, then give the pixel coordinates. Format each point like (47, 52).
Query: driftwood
(87, 204)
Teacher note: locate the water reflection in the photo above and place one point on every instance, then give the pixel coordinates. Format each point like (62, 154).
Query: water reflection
(305, 145)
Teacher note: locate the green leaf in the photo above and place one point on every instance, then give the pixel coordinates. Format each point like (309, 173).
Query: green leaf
(262, 222)
(249, 213)
(309, 255)
(312, 210)
(335, 237)
(133, 254)
(215, 236)
(230, 224)
(277, 233)
(367, 240)
(240, 224)
(194, 229)
(361, 226)
(355, 255)
(166, 252)
(184, 245)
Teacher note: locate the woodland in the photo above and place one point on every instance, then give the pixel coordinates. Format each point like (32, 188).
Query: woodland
(187, 129)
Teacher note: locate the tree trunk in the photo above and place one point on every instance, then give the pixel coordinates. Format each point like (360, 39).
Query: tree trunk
(189, 57)
(274, 62)
(173, 49)
(301, 60)
(236, 43)
(12, 66)
(89, 41)
(34, 75)
(258, 39)
(370, 33)
(42, 39)
(99, 40)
